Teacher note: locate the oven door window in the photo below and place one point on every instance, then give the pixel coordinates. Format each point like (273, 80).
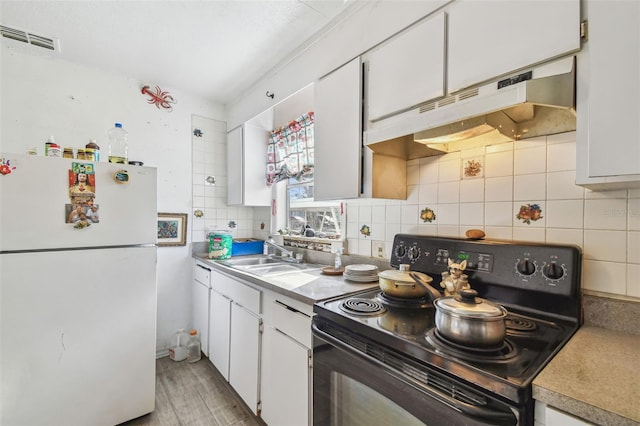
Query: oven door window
(357, 404)
(351, 388)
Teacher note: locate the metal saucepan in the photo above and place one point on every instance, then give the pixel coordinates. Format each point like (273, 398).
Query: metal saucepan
(399, 283)
(470, 320)
(467, 319)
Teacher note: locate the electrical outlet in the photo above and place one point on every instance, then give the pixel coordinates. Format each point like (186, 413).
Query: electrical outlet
(377, 249)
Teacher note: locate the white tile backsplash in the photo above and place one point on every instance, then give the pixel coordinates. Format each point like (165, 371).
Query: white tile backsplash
(565, 214)
(472, 190)
(605, 214)
(605, 245)
(561, 186)
(607, 277)
(498, 189)
(541, 171)
(530, 187)
(633, 214)
(449, 192)
(531, 160)
(498, 164)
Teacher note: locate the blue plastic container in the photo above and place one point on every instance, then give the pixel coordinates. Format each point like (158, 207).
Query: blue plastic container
(246, 246)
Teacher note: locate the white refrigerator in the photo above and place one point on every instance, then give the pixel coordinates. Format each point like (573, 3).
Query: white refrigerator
(77, 291)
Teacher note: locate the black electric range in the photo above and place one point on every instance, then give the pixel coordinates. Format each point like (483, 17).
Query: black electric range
(538, 284)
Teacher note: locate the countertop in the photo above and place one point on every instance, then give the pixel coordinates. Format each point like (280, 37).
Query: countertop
(309, 286)
(596, 376)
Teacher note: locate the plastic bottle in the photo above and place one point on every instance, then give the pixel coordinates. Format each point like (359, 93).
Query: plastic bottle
(47, 144)
(96, 149)
(337, 262)
(178, 349)
(193, 347)
(54, 150)
(118, 147)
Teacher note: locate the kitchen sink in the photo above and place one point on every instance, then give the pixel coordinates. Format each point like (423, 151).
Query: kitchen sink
(266, 266)
(250, 261)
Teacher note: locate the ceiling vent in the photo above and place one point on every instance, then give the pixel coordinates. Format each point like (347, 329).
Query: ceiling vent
(29, 38)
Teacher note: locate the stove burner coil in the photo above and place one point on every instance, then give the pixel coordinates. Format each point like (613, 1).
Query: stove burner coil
(519, 325)
(404, 302)
(493, 354)
(360, 306)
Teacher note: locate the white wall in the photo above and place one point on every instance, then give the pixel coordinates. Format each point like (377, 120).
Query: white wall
(44, 96)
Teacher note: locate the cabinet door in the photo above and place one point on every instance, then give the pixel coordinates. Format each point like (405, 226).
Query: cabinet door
(247, 166)
(608, 141)
(488, 39)
(235, 181)
(338, 133)
(244, 366)
(219, 328)
(200, 296)
(407, 70)
(285, 380)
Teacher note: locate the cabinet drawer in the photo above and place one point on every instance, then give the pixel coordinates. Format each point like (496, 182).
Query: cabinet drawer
(240, 293)
(202, 274)
(292, 322)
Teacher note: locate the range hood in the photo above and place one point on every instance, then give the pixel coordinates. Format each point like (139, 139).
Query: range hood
(535, 102)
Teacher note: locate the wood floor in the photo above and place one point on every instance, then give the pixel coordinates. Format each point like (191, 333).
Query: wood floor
(193, 395)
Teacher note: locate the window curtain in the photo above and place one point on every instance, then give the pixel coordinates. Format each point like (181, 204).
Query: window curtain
(290, 150)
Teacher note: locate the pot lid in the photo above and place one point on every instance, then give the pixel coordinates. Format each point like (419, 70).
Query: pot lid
(402, 275)
(469, 305)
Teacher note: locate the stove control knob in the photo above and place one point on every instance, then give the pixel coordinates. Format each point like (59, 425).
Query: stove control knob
(400, 251)
(526, 267)
(414, 252)
(553, 271)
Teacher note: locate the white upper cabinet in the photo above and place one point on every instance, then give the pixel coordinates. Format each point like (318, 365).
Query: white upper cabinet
(490, 38)
(246, 166)
(608, 97)
(338, 133)
(407, 70)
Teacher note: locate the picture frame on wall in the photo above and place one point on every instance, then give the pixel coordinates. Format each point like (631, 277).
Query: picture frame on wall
(172, 229)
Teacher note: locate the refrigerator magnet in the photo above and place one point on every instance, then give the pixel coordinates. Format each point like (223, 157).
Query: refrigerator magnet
(121, 176)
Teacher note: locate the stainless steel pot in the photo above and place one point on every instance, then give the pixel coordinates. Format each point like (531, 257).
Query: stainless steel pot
(399, 283)
(469, 320)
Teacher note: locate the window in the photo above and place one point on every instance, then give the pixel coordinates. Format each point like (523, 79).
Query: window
(324, 219)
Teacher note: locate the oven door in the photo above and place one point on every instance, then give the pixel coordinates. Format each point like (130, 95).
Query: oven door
(351, 388)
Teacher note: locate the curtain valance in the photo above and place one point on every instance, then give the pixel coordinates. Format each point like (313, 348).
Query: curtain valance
(290, 150)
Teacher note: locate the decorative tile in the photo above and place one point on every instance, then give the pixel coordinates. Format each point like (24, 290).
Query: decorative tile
(365, 230)
(473, 167)
(427, 215)
(529, 213)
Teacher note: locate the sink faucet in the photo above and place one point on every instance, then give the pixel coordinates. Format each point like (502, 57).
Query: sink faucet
(271, 243)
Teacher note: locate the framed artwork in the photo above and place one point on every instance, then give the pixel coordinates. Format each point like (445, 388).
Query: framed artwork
(172, 229)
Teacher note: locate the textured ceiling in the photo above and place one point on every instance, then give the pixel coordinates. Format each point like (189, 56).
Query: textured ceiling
(215, 48)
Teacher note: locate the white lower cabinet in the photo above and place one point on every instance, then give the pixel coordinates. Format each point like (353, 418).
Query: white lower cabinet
(219, 332)
(201, 298)
(287, 362)
(235, 335)
(549, 416)
(244, 351)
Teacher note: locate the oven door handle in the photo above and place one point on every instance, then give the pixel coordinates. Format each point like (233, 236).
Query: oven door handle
(486, 414)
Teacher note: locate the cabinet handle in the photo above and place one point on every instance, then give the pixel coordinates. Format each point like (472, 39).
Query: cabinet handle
(203, 267)
(294, 310)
